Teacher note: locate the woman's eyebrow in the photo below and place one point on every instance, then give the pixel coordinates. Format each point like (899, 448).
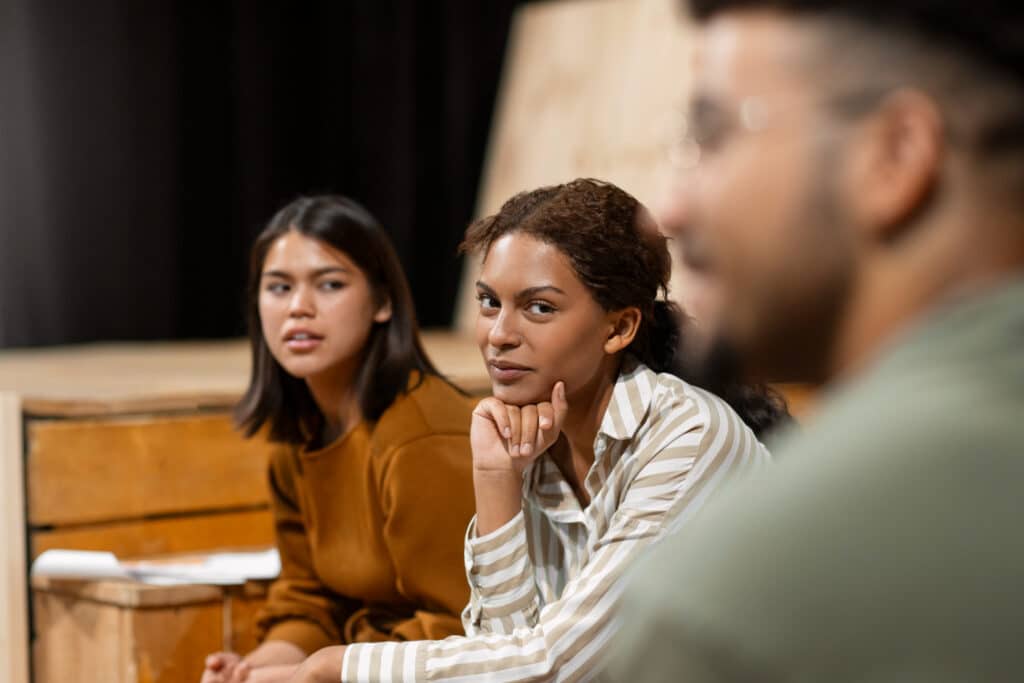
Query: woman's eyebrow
(534, 291)
(527, 293)
(315, 273)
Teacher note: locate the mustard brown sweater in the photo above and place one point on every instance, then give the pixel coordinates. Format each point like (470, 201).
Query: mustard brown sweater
(371, 528)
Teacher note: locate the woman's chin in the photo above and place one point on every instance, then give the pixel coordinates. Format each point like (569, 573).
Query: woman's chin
(520, 394)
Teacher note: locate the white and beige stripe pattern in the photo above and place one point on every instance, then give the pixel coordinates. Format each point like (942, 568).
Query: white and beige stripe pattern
(544, 586)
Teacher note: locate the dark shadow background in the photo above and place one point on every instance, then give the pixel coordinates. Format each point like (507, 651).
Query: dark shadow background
(143, 146)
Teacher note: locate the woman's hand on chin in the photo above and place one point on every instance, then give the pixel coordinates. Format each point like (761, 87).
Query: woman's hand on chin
(507, 438)
(321, 666)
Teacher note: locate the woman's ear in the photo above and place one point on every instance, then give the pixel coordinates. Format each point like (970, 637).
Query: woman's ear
(383, 313)
(624, 325)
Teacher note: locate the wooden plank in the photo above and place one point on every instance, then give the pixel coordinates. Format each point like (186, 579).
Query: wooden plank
(170, 645)
(127, 593)
(83, 640)
(118, 379)
(232, 529)
(14, 644)
(457, 356)
(77, 641)
(106, 470)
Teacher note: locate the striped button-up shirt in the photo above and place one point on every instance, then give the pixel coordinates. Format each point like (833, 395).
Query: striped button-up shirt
(545, 585)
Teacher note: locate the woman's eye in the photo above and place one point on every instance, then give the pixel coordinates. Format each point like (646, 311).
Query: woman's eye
(277, 288)
(487, 301)
(540, 308)
(332, 285)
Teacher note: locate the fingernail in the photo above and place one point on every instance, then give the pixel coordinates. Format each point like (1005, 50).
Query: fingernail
(515, 449)
(525, 449)
(545, 422)
(507, 432)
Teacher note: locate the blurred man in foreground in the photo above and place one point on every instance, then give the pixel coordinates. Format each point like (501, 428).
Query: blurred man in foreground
(856, 219)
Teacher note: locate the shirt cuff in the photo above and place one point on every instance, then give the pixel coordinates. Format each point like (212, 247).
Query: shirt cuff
(498, 537)
(395, 662)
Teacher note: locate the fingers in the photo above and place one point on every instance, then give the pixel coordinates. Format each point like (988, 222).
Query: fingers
(524, 431)
(515, 422)
(240, 673)
(529, 426)
(545, 423)
(218, 660)
(495, 411)
(559, 404)
(225, 667)
(211, 676)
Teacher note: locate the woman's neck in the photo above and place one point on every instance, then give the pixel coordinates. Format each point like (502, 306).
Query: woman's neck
(335, 395)
(587, 406)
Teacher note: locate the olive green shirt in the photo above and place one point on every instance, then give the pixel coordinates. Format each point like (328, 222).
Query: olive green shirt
(887, 545)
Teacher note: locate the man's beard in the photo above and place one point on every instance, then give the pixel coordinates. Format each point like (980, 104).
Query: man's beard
(707, 361)
(713, 364)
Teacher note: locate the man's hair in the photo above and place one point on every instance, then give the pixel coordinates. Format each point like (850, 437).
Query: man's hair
(988, 31)
(969, 53)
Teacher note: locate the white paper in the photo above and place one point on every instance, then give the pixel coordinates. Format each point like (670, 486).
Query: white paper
(228, 568)
(78, 564)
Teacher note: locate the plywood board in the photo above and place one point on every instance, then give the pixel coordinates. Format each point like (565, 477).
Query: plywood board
(591, 88)
(13, 572)
(118, 379)
(82, 640)
(184, 534)
(103, 470)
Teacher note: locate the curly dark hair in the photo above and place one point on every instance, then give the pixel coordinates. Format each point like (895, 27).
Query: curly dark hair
(595, 225)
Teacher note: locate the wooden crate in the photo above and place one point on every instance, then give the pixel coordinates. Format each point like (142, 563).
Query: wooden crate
(125, 632)
(145, 484)
(129, 448)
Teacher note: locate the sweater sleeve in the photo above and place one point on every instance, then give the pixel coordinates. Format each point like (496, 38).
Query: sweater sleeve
(299, 608)
(427, 501)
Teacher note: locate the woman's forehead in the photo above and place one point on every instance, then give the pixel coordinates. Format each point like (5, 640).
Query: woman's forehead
(518, 260)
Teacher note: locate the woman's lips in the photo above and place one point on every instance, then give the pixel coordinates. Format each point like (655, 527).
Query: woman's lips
(507, 372)
(302, 342)
(302, 345)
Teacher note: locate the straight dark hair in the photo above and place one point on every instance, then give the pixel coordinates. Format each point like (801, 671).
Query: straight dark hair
(393, 351)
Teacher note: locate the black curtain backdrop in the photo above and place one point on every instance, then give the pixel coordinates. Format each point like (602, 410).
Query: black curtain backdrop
(143, 146)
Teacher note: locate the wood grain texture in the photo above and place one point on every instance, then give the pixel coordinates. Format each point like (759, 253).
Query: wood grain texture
(119, 379)
(13, 592)
(191, 533)
(126, 593)
(78, 641)
(83, 640)
(103, 470)
(126, 632)
(171, 645)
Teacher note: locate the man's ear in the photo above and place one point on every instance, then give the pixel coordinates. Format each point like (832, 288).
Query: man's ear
(623, 326)
(383, 313)
(896, 162)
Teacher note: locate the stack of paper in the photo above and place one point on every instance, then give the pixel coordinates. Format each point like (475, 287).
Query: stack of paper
(226, 568)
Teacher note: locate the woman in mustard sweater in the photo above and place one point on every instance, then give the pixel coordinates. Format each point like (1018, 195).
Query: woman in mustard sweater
(372, 488)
